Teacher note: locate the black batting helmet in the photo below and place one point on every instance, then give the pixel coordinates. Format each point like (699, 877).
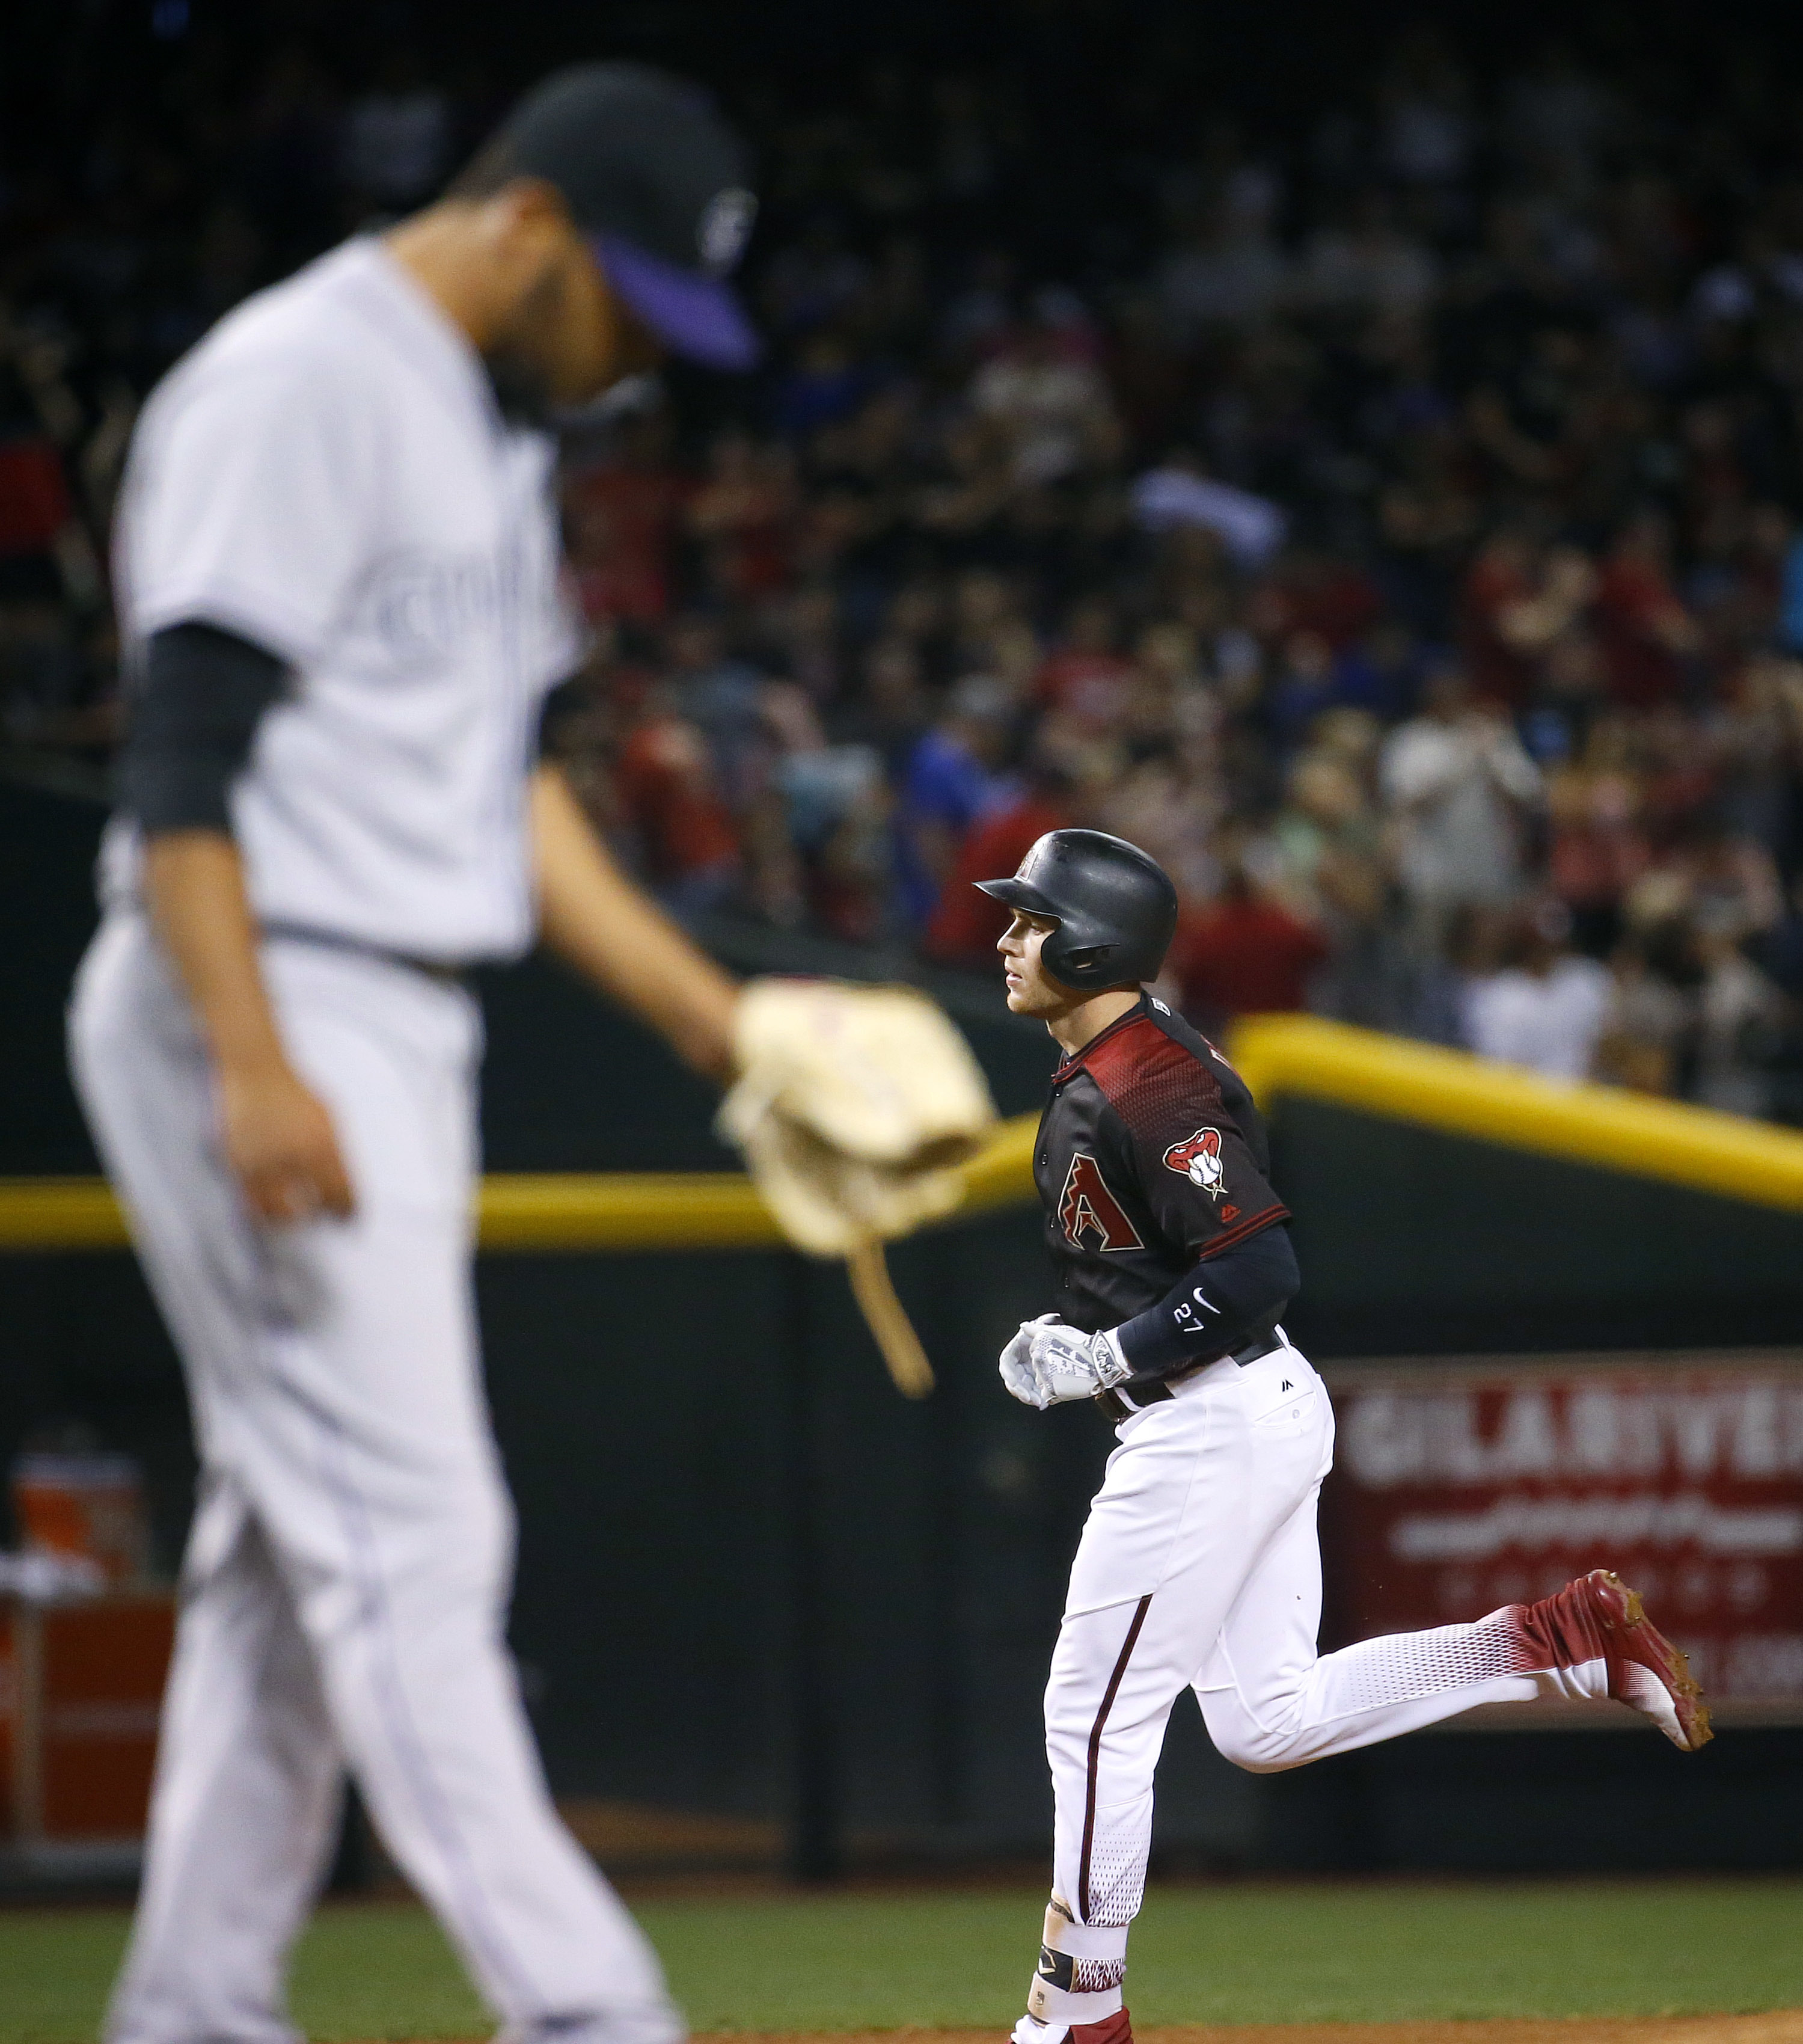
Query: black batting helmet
(1115, 908)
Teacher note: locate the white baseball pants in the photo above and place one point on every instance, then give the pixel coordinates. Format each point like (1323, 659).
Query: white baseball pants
(1200, 1568)
(345, 1586)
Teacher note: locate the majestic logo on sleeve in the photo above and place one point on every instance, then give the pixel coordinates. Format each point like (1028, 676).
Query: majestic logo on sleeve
(1088, 1207)
(1198, 1158)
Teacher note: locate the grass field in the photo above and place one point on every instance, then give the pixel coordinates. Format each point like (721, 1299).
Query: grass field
(1271, 1953)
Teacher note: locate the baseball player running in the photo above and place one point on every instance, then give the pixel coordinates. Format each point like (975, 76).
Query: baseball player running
(337, 573)
(1200, 1566)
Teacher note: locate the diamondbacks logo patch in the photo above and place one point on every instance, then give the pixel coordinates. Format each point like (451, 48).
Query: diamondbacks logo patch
(1088, 1207)
(1198, 1158)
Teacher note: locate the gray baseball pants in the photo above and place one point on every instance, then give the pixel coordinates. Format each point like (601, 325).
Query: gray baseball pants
(345, 1586)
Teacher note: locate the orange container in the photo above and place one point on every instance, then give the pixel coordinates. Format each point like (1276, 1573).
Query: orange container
(91, 1505)
(80, 1687)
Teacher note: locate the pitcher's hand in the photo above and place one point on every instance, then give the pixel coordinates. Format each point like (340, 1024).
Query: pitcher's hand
(281, 1145)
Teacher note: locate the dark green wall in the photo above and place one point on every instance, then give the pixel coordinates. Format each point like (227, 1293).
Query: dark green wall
(1417, 1243)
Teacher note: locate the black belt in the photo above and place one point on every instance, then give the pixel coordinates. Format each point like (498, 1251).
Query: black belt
(330, 940)
(1119, 1407)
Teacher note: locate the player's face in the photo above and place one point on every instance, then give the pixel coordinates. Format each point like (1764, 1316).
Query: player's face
(1031, 990)
(561, 337)
(583, 337)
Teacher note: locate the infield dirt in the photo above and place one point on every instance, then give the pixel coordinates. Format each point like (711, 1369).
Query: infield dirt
(1780, 2027)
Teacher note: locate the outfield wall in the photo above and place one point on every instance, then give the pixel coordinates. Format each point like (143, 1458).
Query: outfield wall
(753, 1581)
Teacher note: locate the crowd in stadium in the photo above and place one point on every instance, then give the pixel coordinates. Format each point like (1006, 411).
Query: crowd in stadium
(1389, 521)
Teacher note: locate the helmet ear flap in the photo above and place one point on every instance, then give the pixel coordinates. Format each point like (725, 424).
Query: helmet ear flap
(1086, 962)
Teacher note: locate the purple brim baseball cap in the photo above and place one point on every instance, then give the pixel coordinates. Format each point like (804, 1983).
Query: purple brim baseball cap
(700, 316)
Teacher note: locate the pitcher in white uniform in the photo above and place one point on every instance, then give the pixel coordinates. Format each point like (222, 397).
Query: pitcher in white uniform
(337, 584)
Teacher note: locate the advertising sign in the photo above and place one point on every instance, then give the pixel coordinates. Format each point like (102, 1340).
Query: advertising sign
(1459, 1486)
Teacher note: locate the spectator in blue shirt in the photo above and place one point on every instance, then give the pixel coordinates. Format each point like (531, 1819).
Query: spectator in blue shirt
(954, 776)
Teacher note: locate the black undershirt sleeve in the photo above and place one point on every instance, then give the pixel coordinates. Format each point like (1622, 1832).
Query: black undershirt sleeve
(191, 722)
(561, 707)
(1217, 1306)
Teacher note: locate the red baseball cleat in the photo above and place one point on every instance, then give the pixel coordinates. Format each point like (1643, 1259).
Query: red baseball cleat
(1115, 2029)
(1598, 1617)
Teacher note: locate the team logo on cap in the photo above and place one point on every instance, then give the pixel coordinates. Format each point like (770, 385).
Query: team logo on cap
(1198, 1158)
(725, 228)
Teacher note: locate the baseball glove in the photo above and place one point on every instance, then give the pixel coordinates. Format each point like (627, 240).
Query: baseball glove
(854, 1106)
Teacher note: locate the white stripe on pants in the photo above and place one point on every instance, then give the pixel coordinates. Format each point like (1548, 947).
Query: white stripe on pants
(1200, 1567)
(346, 1582)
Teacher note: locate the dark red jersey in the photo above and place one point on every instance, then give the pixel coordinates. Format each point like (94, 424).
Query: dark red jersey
(1150, 1156)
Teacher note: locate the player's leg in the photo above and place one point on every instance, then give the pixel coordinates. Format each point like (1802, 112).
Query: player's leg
(244, 1810)
(1181, 1517)
(1271, 1702)
(247, 1769)
(338, 1394)
(1115, 1673)
(376, 1476)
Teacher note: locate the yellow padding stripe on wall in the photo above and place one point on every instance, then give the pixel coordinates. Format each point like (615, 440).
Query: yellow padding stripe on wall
(621, 1210)
(1278, 1054)
(1452, 1090)
(697, 1210)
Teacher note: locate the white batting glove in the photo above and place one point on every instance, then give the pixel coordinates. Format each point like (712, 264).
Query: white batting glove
(1048, 1363)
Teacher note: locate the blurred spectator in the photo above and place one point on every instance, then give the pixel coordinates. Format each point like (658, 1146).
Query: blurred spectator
(952, 778)
(1740, 1014)
(1052, 406)
(1301, 688)
(670, 799)
(1647, 635)
(1460, 783)
(966, 925)
(1086, 678)
(1169, 460)
(1648, 1044)
(1246, 954)
(741, 515)
(397, 136)
(1543, 1007)
(621, 517)
(1178, 492)
(1379, 674)
(1517, 608)
(1228, 272)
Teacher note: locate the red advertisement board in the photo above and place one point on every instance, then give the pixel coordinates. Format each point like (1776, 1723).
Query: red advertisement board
(1462, 1485)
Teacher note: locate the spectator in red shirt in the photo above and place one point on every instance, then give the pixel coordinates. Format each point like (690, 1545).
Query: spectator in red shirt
(1596, 850)
(1245, 954)
(1515, 608)
(34, 505)
(964, 926)
(621, 520)
(1087, 678)
(1317, 593)
(669, 796)
(1647, 635)
(1501, 576)
(742, 514)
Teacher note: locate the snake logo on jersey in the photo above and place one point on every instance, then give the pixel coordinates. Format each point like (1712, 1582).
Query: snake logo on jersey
(1088, 1207)
(1198, 1157)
